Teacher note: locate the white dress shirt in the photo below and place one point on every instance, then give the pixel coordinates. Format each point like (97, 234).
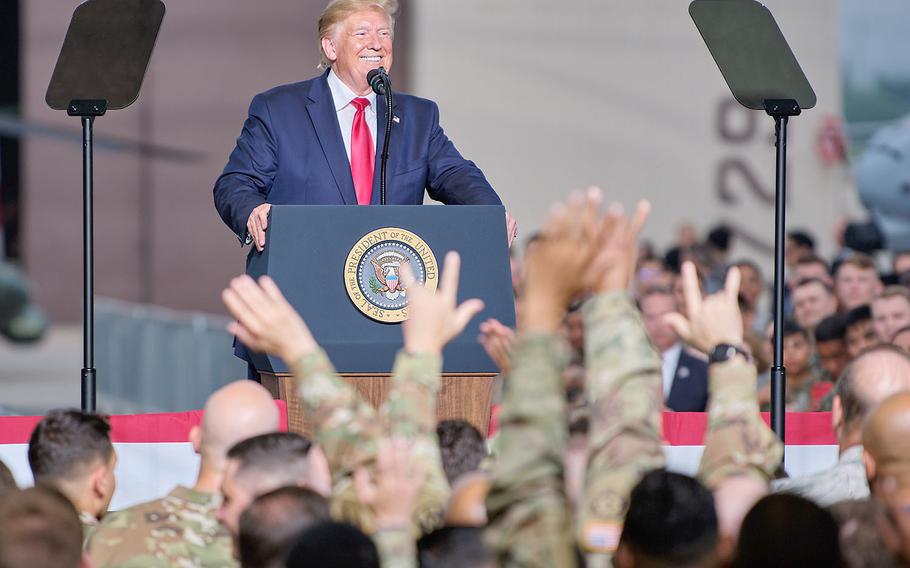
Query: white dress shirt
(669, 360)
(342, 95)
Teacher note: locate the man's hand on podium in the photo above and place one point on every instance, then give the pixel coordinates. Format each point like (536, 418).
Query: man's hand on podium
(257, 224)
(435, 318)
(497, 339)
(266, 322)
(511, 227)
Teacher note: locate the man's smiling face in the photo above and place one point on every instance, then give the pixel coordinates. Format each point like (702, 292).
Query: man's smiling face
(360, 43)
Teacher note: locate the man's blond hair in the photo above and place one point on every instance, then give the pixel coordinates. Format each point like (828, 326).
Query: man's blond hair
(338, 10)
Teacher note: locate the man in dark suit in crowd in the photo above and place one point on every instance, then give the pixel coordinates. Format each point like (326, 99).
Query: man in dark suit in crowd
(685, 374)
(318, 141)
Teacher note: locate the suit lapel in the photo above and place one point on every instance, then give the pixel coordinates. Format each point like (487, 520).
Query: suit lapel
(381, 118)
(325, 122)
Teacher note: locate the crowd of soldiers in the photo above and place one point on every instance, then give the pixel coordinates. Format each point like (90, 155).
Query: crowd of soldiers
(576, 475)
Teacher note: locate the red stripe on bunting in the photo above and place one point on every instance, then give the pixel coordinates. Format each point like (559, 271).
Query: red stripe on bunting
(128, 428)
(688, 428)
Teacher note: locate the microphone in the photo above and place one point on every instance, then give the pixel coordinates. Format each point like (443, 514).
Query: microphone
(378, 79)
(381, 84)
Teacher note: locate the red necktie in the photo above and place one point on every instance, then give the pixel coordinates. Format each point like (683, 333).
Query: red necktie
(362, 156)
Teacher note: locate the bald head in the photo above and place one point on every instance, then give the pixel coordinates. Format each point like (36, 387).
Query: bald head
(234, 412)
(868, 380)
(886, 436)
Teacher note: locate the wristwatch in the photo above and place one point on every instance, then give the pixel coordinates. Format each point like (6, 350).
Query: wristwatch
(723, 352)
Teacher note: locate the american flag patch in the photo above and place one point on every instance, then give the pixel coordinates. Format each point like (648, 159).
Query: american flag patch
(601, 537)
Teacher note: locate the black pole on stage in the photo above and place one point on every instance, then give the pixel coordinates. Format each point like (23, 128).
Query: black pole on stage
(101, 66)
(781, 110)
(763, 74)
(87, 111)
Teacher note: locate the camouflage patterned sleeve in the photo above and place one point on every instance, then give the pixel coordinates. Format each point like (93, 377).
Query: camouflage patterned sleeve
(396, 547)
(410, 412)
(738, 441)
(624, 441)
(529, 519)
(345, 424)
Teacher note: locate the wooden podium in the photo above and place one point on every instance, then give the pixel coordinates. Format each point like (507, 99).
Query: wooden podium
(338, 266)
(461, 397)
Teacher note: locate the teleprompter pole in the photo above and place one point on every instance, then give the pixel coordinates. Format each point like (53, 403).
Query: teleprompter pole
(781, 110)
(87, 110)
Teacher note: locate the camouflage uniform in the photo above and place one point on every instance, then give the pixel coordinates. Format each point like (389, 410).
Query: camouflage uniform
(348, 428)
(844, 480)
(738, 441)
(529, 519)
(396, 547)
(178, 530)
(624, 441)
(89, 523)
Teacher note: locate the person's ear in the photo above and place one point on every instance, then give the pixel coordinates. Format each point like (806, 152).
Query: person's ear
(623, 557)
(328, 47)
(196, 438)
(869, 463)
(102, 482)
(837, 415)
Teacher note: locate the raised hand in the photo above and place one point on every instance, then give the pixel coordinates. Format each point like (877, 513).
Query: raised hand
(613, 266)
(435, 318)
(266, 322)
(712, 320)
(392, 492)
(557, 267)
(497, 340)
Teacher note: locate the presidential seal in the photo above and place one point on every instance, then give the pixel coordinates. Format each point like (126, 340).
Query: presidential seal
(372, 272)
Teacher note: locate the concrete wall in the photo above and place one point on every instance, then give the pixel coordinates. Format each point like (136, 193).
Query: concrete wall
(551, 96)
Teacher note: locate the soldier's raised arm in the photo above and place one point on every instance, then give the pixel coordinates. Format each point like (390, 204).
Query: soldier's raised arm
(434, 319)
(624, 390)
(530, 521)
(741, 452)
(346, 426)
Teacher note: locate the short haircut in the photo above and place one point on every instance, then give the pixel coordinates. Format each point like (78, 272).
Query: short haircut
(654, 291)
(271, 522)
(857, 315)
(275, 453)
(39, 528)
(746, 263)
(453, 547)
(802, 238)
(337, 10)
(462, 448)
(894, 291)
(787, 530)
(671, 519)
(813, 281)
(831, 328)
(813, 259)
(859, 260)
(861, 541)
(793, 328)
(331, 544)
(719, 237)
(7, 481)
(68, 442)
(856, 408)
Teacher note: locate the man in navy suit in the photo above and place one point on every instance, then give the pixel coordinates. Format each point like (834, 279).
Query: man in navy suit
(319, 141)
(685, 374)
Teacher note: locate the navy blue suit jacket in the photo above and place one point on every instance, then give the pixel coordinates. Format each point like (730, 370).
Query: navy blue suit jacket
(291, 152)
(689, 392)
